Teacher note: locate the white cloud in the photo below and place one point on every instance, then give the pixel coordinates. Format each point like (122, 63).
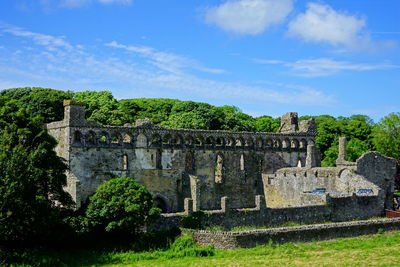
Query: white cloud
(325, 66)
(248, 16)
(146, 72)
(166, 61)
(321, 23)
(50, 42)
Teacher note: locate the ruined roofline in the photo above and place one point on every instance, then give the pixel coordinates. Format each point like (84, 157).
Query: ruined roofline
(147, 124)
(160, 128)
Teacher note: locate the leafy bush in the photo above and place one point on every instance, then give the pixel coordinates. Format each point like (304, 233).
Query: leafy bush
(186, 246)
(194, 220)
(121, 205)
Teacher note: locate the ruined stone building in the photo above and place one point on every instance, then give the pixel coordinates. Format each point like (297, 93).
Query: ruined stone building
(240, 178)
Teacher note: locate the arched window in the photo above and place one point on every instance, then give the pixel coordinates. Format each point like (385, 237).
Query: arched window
(219, 142)
(125, 162)
(103, 139)
(77, 137)
(155, 141)
(160, 203)
(91, 138)
(115, 139)
(158, 159)
(189, 161)
(219, 169)
(127, 139)
(242, 167)
(141, 140)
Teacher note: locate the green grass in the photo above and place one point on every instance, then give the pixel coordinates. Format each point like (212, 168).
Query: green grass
(380, 249)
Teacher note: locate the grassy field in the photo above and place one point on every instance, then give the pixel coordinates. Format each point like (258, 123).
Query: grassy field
(380, 249)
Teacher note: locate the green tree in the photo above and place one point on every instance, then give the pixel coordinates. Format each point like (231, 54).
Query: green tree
(355, 148)
(121, 205)
(235, 120)
(44, 102)
(31, 176)
(386, 135)
(99, 106)
(267, 124)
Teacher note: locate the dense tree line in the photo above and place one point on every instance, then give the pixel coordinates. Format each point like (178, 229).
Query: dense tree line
(362, 134)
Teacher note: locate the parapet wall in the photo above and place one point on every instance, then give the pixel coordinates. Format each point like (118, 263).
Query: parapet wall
(252, 238)
(337, 208)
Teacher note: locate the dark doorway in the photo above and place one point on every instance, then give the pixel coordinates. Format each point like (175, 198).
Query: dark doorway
(161, 204)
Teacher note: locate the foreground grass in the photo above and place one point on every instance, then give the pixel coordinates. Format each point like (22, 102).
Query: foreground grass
(381, 249)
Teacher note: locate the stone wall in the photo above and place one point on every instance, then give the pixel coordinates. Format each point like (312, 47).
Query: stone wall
(336, 208)
(163, 159)
(249, 239)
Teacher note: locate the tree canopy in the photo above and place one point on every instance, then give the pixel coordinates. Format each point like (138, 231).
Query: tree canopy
(31, 175)
(121, 205)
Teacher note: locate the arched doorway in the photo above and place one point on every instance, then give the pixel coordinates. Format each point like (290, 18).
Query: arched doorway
(160, 203)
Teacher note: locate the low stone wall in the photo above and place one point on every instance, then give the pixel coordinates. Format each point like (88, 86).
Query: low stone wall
(252, 238)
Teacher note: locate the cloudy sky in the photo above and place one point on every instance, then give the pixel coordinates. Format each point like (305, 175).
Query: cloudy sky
(336, 57)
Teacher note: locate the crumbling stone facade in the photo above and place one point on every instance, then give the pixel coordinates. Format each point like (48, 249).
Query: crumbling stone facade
(223, 163)
(237, 178)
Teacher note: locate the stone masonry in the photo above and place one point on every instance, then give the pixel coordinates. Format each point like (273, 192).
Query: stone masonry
(237, 178)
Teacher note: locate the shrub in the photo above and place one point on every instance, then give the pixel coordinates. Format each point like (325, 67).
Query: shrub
(186, 246)
(193, 220)
(121, 205)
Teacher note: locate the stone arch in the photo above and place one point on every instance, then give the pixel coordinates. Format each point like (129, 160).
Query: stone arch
(77, 138)
(286, 143)
(161, 203)
(91, 138)
(104, 138)
(230, 142)
(294, 144)
(178, 140)
(259, 142)
(189, 141)
(249, 142)
(116, 138)
(199, 142)
(167, 140)
(127, 138)
(210, 141)
(277, 143)
(219, 142)
(303, 143)
(269, 143)
(141, 140)
(155, 140)
(239, 142)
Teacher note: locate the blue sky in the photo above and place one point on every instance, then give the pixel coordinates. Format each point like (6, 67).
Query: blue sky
(265, 56)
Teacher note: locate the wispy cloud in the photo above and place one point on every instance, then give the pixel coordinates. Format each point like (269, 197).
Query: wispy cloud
(322, 24)
(248, 16)
(166, 61)
(143, 72)
(48, 41)
(325, 66)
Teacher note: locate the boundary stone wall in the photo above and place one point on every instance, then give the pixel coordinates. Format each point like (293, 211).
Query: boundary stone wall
(307, 233)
